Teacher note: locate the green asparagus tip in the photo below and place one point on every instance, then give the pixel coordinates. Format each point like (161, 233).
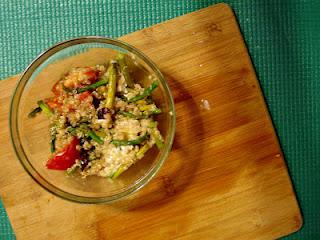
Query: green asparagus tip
(124, 69)
(45, 108)
(130, 142)
(111, 92)
(140, 154)
(118, 172)
(146, 92)
(95, 137)
(93, 86)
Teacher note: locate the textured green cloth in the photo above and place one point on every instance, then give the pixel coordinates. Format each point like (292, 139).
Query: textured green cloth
(283, 38)
(5, 227)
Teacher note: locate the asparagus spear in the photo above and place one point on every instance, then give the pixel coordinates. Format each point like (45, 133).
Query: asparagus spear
(124, 69)
(130, 142)
(152, 108)
(72, 131)
(72, 169)
(131, 115)
(120, 170)
(95, 137)
(45, 108)
(111, 86)
(53, 133)
(156, 111)
(146, 92)
(142, 151)
(156, 134)
(93, 86)
(158, 138)
(85, 129)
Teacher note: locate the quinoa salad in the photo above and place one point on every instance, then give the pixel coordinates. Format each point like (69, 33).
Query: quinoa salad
(102, 120)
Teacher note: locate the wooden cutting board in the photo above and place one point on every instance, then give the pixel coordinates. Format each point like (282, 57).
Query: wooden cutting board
(225, 178)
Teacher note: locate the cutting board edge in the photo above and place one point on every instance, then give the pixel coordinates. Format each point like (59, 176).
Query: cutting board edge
(226, 6)
(298, 215)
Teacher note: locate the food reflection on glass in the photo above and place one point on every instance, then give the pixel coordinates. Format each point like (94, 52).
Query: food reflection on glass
(101, 119)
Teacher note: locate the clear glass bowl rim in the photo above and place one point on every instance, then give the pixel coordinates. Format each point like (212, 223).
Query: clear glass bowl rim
(13, 120)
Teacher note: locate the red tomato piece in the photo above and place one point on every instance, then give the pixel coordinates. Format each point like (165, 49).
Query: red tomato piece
(71, 108)
(84, 95)
(66, 158)
(53, 103)
(92, 75)
(57, 88)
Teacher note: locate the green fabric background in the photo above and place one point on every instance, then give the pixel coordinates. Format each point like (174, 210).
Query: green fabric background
(283, 38)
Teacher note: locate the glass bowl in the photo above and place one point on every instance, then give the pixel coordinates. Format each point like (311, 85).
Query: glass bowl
(30, 137)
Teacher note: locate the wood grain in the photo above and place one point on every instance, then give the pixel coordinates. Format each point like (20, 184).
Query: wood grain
(225, 178)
